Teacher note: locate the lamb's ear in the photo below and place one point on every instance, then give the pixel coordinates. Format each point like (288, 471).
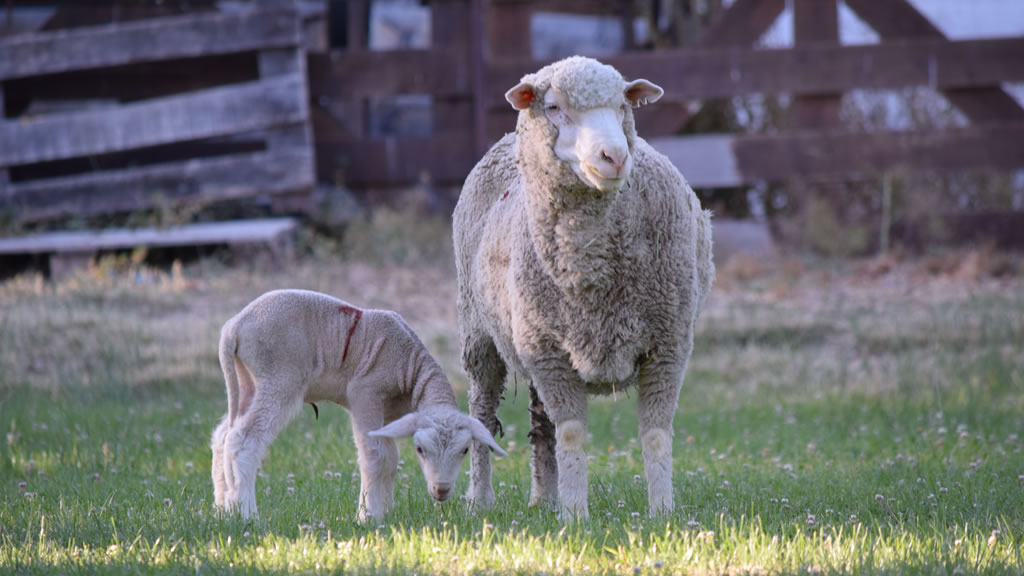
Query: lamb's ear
(401, 428)
(640, 92)
(521, 96)
(480, 434)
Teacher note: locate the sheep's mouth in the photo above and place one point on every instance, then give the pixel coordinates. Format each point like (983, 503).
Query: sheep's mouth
(601, 182)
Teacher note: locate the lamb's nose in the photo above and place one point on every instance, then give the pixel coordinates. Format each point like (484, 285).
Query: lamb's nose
(615, 156)
(441, 493)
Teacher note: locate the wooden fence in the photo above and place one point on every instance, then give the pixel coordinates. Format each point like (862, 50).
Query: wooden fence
(219, 105)
(240, 131)
(482, 48)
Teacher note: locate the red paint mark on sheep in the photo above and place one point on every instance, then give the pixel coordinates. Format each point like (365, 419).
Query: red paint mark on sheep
(356, 315)
(505, 195)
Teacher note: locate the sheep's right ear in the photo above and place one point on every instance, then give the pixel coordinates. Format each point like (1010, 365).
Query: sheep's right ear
(401, 428)
(521, 96)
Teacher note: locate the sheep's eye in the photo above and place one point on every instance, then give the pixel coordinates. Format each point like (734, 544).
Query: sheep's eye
(465, 451)
(419, 450)
(551, 107)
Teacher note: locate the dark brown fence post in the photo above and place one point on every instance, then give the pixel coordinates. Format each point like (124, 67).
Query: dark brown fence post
(816, 22)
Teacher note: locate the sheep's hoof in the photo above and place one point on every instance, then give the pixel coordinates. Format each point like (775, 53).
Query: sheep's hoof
(484, 501)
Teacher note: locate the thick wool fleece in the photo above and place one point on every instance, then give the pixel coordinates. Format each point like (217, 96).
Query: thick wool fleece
(289, 347)
(584, 291)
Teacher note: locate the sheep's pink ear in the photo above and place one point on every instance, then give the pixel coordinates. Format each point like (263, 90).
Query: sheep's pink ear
(640, 92)
(481, 435)
(521, 96)
(401, 428)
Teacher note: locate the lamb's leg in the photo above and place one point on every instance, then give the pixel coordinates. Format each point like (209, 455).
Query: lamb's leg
(277, 400)
(487, 373)
(220, 484)
(378, 464)
(657, 398)
(565, 400)
(544, 484)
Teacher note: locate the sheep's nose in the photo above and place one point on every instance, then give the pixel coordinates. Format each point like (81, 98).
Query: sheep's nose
(615, 157)
(441, 493)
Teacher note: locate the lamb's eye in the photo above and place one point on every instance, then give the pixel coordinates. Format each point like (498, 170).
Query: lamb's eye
(465, 451)
(551, 107)
(419, 450)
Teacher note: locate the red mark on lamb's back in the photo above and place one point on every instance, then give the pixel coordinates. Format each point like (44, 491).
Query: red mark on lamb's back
(356, 315)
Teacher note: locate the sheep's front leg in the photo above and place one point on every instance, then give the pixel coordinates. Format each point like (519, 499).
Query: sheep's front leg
(566, 403)
(378, 464)
(657, 398)
(544, 484)
(487, 372)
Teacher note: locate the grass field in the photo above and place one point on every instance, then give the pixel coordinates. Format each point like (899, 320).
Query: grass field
(827, 424)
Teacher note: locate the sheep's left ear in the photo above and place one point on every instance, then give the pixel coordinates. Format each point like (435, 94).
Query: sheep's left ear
(521, 96)
(480, 434)
(401, 428)
(640, 92)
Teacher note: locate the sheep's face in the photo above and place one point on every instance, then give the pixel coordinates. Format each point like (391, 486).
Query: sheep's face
(591, 138)
(442, 438)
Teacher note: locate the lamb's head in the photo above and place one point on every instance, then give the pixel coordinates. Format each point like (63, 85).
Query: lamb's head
(442, 436)
(587, 107)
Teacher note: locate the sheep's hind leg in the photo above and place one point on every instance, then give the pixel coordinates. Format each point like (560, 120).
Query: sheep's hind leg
(544, 484)
(249, 438)
(487, 373)
(217, 469)
(657, 398)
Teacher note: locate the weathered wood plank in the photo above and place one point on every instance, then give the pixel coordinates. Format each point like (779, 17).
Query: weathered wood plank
(147, 41)
(197, 180)
(346, 75)
(209, 113)
(257, 231)
(729, 160)
(816, 69)
(446, 158)
(899, 19)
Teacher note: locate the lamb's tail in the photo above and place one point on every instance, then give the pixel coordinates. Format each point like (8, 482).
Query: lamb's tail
(705, 261)
(228, 349)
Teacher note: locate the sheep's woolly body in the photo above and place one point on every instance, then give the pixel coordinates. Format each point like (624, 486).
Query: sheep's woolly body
(292, 346)
(581, 290)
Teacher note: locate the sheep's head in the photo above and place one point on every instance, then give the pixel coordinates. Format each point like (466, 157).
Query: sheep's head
(442, 437)
(589, 105)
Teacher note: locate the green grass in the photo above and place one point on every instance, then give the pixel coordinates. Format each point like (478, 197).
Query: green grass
(863, 434)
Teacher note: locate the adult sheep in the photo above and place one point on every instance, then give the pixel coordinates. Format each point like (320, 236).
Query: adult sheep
(583, 259)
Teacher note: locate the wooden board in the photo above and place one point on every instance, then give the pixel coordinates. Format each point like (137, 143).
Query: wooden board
(147, 41)
(204, 234)
(197, 180)
(447, 158)
(209, 113)
(732, 160)
(817, 69)
(347, 75)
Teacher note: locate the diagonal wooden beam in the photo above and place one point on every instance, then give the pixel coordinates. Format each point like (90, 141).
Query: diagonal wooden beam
(894, 19)
(743, 23)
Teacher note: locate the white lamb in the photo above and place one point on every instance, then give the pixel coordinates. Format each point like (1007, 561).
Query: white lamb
(289, 347)
(583, 260)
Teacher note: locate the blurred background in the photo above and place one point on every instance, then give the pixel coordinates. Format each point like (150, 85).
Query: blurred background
(831, 128)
